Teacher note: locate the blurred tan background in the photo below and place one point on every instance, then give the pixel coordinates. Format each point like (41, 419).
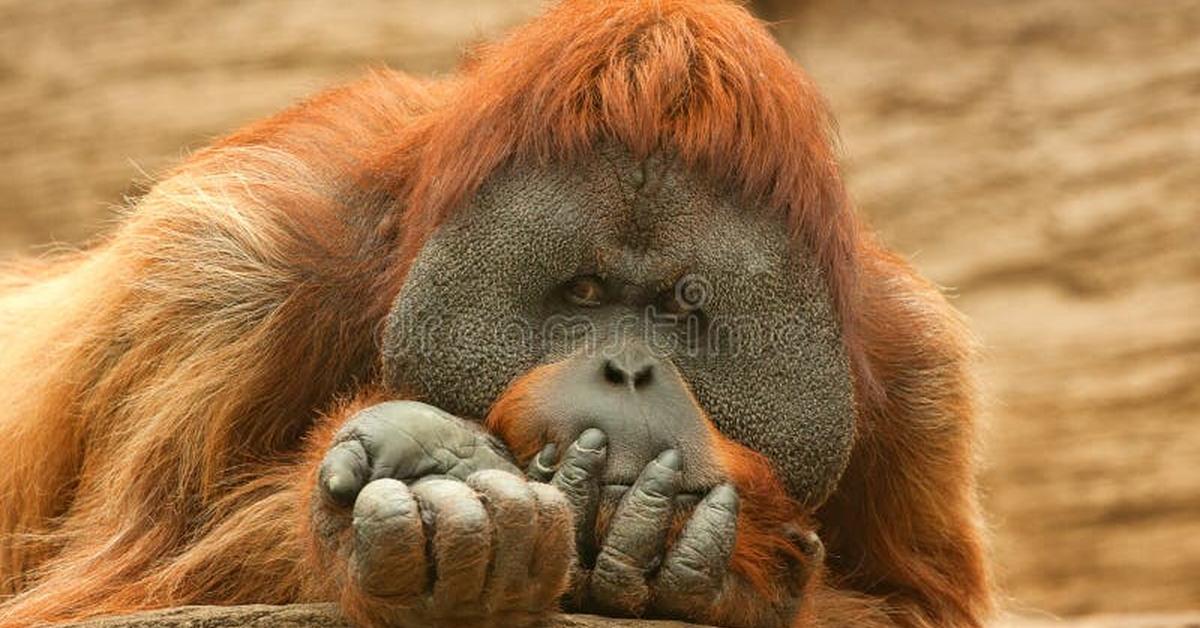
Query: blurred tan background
(1039, 158)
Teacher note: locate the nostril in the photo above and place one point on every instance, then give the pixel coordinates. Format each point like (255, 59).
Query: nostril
(644, 376)
(613, 374)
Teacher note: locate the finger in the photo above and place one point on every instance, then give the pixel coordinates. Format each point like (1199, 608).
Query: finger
(541, 468)
(511, 508)
(694, 570)
(637, 537)
(460, 540)
(578, 479)
(408, 440)
(553, 550)
(343, 472)
(811, 549)
(388, 558)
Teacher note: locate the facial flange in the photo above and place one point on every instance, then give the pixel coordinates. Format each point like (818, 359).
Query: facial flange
(713, 287)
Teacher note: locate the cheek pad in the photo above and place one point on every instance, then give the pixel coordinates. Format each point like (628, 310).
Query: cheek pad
(465, 323)
(799, 416)
(782, 385)
(448, 349)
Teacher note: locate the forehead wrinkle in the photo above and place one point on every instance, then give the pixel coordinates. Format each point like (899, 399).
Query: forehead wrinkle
(648, 268)
(649, 234)
(639, 184)
(661, 236)
(664, 249)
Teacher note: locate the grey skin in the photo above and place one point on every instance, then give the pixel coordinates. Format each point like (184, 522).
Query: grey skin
(736, 315)
(441, 524)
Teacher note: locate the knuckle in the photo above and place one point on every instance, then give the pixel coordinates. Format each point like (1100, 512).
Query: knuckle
(616, 584)
(724, 509)
(492, 479)
(439, 489)
(550, 498)
(373, 424)
(649, 500)
(555, 518)
(657, 485)
(580, 498)
(572, 472)
(455, 508)
(349, 452)
(615, 558)
(584, 458)
(808, 542)
(466, 522)
(381, 491)
(351, 430)
(326, 469)
(388, 555)
(688, 572)
(501, 486)
(382, 502)
(361, 425)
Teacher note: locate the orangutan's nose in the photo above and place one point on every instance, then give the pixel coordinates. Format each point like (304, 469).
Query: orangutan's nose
(642, 404)
(630, 367)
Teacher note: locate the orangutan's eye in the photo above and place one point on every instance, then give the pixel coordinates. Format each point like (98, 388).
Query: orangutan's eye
(585, 291)
(670, 304)
(685, 298)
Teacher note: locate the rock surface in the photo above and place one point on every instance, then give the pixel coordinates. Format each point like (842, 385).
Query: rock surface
(1041, 159)
(325, 616)
(309, 616)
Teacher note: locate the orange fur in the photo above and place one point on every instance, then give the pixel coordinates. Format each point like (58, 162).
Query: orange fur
(158, 389)
(506, 417)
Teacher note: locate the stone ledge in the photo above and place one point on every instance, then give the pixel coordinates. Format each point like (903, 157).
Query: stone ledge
(1114, 620)
(307, 616)
(326, 616)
